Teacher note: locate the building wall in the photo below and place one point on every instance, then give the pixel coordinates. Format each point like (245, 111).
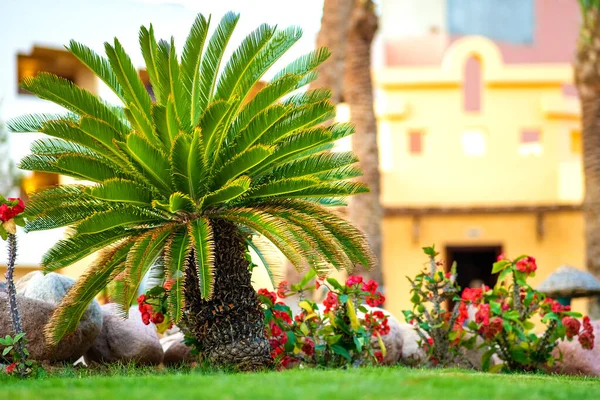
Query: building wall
(562, 243)
(513, 99)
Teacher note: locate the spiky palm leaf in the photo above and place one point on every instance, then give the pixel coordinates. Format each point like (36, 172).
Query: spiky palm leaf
(163, 171)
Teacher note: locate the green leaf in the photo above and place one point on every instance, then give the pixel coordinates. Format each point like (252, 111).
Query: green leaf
(500, 265)
(202, 237)
(336, 285)
(66, 317)
(337, 349)
(179, 160)
(181, 202)
(197, 166)
(241, 163)
(121, 217)
(228, 192)
(122, 191)
(211, 61)
(282, 187)
(154, 163)
(97, 64)
(177, 253)
(190, 65)
(153, 67)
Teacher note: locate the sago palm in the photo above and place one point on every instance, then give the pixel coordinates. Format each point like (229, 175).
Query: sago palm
(186, 182)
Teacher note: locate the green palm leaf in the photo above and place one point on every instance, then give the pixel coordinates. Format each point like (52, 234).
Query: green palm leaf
(177, 254)
(97, 64)
(122, 191)
(228, 192)
(202, 238)
(151, 57)
(191, 59)
(66, 317)
(112, 219)
(154, 162)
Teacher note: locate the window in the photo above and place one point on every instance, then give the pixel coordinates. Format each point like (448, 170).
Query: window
(530, 142)
(473, 142)
(415, 142)
(57, 62)
(472, 85)
(576, 146)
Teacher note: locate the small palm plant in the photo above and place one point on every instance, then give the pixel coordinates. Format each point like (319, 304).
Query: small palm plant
(185, 183)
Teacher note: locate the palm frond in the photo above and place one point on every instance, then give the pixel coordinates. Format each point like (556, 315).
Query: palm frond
(211, 60)
(178, 160)
(241, 163)
(230, 191)
(122, 191)
(201, 234)
(125, 216)
(35, 122)
(150, 52)
(304, 65)
(72, 97)
(191, 59)
(154, 162)
(97, 64)
(270, 258)
(181, 99)
(66, 317)
(177, 257)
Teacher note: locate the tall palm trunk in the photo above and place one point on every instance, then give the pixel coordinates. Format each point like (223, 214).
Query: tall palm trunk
(587, 79)
(365, 209)
(229, 327)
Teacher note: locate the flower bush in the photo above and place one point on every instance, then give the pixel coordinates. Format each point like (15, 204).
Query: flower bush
(10, 216)
(504, 319)
(441, 331)
(154, 306)
(20, 363)
(335, 334)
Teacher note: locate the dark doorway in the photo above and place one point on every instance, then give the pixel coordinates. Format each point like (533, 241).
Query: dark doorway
(473, 264)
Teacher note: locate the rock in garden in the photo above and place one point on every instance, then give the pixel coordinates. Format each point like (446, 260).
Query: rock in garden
(52, 288)
(176, 352)
(577, 360)
(412, 353)
(125, 340)
(2, 286)
(34, 316)
(392, 341)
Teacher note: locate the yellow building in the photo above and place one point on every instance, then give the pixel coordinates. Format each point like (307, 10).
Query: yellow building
(479, 161)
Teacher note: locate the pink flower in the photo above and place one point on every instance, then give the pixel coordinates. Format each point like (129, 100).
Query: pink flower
(308, 347)
(10, 368)
(370, 286)
(527, 265)
(269, 295)
(501, 257)
(354, 280)
(330, 302)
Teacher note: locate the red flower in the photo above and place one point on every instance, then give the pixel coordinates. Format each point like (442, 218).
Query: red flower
(472, 294)
(8, 212)
(586, 339)
(430, 341)
(586, 324)
(379, 356)
(169, 284)
(275, 330)
(354, 280)
(141, 299)
(282, 315)
(299, 318)
(317, 284)
(308, 347)
(281, 289)
(370, 286)
(572, 326)
(557, 307)
(158, 318)
(330, 302)
(483, 315)
(269, 295)
(448, 275)
(527, 265)
(501, 257)
(146, 318)
(463, 313)
(10, 368)
(146, 308)
(494, 328)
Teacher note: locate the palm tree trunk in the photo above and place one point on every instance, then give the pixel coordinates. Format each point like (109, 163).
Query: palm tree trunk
(587, 79)
(590, 108)
(230, 326)
(365, 209)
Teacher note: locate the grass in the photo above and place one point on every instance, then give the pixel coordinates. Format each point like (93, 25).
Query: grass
(367, 383)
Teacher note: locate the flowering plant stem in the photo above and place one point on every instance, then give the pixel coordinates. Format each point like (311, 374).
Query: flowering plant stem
(15, 317)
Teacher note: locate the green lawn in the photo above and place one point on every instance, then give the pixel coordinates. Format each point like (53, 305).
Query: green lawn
(371, 383)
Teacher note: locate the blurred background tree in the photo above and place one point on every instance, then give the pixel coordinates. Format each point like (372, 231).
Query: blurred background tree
(9, 176)
(348, 28)
(587, 80)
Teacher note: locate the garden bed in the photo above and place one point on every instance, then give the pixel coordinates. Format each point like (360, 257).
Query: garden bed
(365, 383)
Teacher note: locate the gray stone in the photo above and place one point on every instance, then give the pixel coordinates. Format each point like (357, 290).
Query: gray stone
(125, 340)
(393, 341)
(35, 314)
(52, 288)
(176, 352)
(412, 353)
